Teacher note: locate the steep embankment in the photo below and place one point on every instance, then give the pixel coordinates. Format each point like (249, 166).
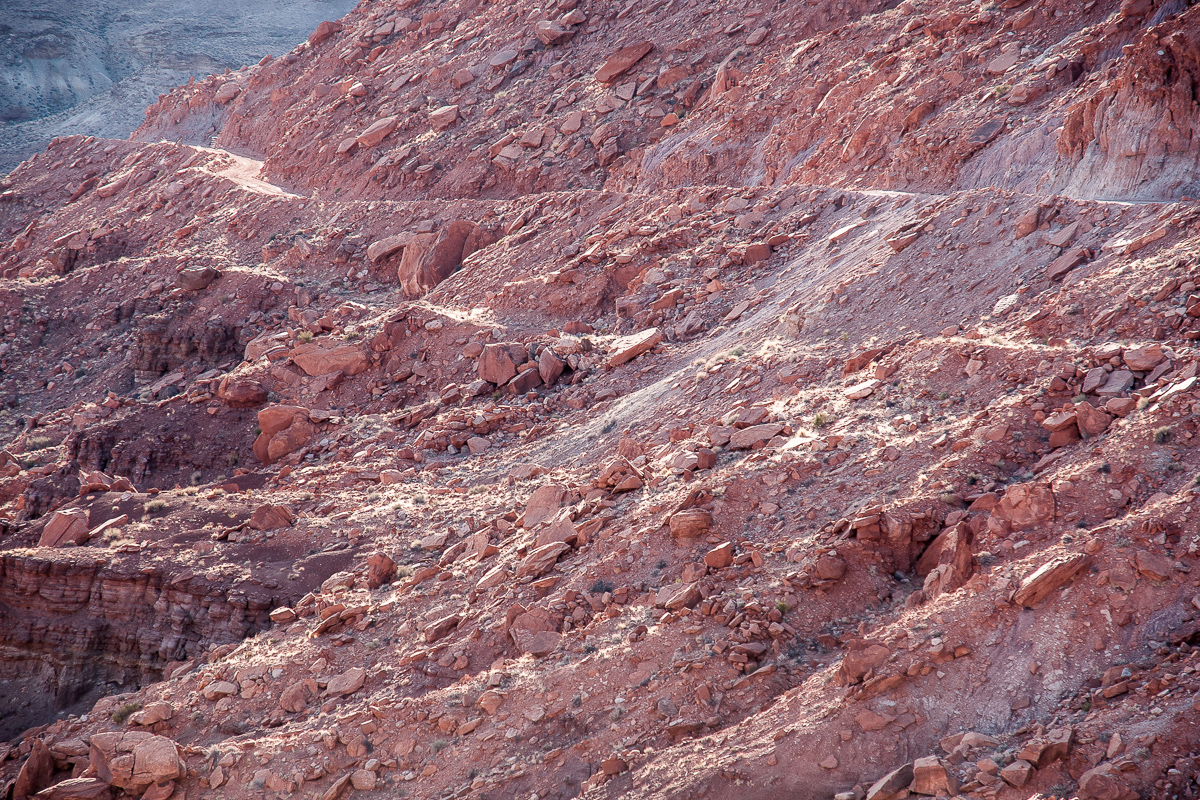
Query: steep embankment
(664, 402)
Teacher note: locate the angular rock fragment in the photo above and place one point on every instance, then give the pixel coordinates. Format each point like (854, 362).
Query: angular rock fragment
(1043, 581)
(619, 62)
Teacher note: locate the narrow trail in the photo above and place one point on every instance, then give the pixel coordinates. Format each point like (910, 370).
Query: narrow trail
(245, 171)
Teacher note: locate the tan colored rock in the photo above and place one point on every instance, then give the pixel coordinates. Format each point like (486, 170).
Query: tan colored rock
(153, 714)
(490, 701)
(363, 780)
(1121, 406)
(241, 393)
(1059, 420)
(270, 448)
(492, 578)
(1042, 751)
(377, 132)
(1119, 382)
(861, 390)
(551, 33)
(1105, 782)
(381, 569)
(930, 777)
(77, 789)
(1091, 421)
(298, 696)
(543, 504)
(1153, 566)
(891, 784)
(862, 656)
(1144, 359)
(572, 123)
(1003, 63)
(1067, 262)
(322, 357)
(390, 477)
(537, 643)
(36, 773)
(829, 568)
(541, 560)
(630, 347)
(441, 628)
(155, 760)
(324, 31)
(196, 279)
(954, 562)
(754, 436)
(65, 527)
(620, 62)
(498, 362)
(347, 683)
(444, 117)
(550, 366)
(560, 528)
(1043, 581)
(431, 258)
(1025, 506)
(690, 523)
(502, 59)
(269, 517)
(1017, 773)
(339, 787)
(686, 596)
(218, 689)
(720, 556)
(380, 249)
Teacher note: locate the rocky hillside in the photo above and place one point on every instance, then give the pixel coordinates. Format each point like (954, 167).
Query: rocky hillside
(670, 400)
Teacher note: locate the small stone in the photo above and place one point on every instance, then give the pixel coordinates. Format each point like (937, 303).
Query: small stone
(1047, 578)
(377, 132)
(891, 784)
(1119, 382)
(381, 569)
(152, 714)
(324, 31)
(1143, 359)
(930, 777)
(1104, 783)
(862, 390)
(572, 123)
(720, 556)
(444, 117)
(1017, 773)
(628, 348)
(754, 436)
(1152, 565)
(363, 780)
(620, 61)
(690, 523)
(1121, 406)
(613, 766)
(347, 683)
(1091, 421)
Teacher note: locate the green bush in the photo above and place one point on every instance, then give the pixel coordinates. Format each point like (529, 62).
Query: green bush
(123, 711)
